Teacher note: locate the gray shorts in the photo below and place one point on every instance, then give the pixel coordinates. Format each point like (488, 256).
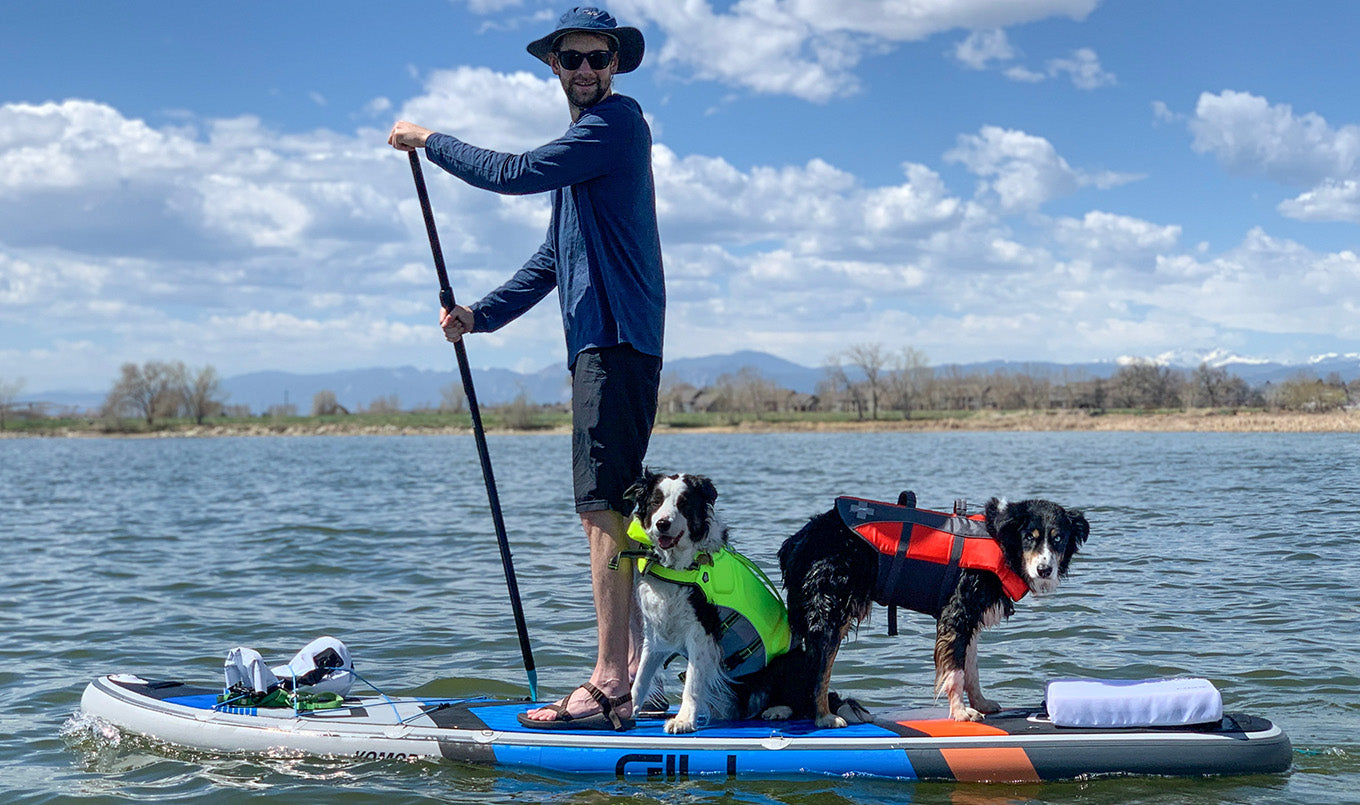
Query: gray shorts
(613, 409)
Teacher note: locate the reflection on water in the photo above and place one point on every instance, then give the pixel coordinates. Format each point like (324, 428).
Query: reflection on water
(1228, 556)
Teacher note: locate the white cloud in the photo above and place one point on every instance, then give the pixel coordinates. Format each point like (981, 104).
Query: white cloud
(920, 204)
(378, 107)
(505, 112)
(1083, 68)
(490, 6)
(1251, 137)
(1023, 171)
(32, 282)
(809, 48)
(80, 177)
(1024, 75)
(260, 215)
(981, 48)
(1162, 113)
(248, 248)
(1107, 235)
(815, 207)
(57, 146)
(1265, 284)
(913, 20)
(1333, 200)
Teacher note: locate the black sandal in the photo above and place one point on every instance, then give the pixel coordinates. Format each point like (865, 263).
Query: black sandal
(605, 719)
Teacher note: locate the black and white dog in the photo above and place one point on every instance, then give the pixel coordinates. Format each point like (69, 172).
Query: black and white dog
(677, 515)
(831, 574)
(676, 512)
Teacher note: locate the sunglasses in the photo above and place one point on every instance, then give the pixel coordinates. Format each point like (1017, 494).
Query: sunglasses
(571, 59)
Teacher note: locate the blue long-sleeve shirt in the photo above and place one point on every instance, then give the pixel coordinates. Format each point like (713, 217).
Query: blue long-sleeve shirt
(602, 251)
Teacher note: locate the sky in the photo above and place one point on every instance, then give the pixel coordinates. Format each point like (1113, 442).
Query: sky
(1049, 180)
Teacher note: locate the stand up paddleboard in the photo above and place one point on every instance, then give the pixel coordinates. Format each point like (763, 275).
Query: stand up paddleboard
(1014, 745)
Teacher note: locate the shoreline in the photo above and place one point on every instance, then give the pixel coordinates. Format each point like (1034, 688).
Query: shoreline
(1200, 421)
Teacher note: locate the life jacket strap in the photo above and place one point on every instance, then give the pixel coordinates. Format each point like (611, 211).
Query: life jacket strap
(739, 657)
(907, 499)
(630, 554)
(649, 564)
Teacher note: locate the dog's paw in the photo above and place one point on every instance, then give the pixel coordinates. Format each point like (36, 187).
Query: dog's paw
(777, 713)
(678, 726)
(984, 705)
(831, 721)
(965, 714)
(854, 713)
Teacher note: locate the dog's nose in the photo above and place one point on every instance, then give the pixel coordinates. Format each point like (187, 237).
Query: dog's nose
(1045, 571)
(663, 524)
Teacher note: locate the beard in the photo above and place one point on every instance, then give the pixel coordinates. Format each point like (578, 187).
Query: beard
(584, 96)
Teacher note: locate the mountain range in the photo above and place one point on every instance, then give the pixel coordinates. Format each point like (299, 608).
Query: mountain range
(417, 388)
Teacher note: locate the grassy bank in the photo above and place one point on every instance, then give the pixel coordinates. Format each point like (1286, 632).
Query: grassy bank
(558, 422)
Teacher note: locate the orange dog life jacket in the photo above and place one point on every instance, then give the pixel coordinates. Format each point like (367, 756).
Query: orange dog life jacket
(920, 552)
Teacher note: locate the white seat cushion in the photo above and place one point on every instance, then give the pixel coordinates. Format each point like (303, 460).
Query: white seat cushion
(1133, 703)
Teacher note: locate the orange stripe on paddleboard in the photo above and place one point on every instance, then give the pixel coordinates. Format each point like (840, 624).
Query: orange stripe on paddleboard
(944, 728)
(998, 764)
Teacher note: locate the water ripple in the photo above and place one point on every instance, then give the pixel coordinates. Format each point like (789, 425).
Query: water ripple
(1214, 555)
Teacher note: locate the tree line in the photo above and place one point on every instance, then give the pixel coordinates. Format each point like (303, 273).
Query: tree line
(872, 381)
(866, 380)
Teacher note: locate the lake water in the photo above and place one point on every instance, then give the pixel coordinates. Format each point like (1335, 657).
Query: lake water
(1227, 556)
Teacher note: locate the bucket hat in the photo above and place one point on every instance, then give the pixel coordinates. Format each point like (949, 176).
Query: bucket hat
(591, 20)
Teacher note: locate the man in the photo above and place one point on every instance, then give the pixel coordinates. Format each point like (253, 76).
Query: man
(603, 255)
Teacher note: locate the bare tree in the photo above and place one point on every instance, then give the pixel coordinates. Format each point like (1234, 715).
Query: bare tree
(1074, 387)
(838, 387)
(281, 411)
(1205, 386)
(908, 380)
(452, 398)
(519, 413)
(870, 360)
(1214, 386)
(1005, 389)
(9, 392)
(151, 390)
(324, 403)
(749, 390)
(1034, 385)
(960, 391)
(1145, 385)
(201, 393)
(674, 394)
(385, 405)
(1304, 391)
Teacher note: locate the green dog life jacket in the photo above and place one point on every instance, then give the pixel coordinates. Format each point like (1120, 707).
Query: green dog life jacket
(755, 624)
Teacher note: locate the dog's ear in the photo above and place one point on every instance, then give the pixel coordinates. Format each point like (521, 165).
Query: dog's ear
(998, 514)
(1080, 528)
(707, 490)
(632, 493)
(635, 493)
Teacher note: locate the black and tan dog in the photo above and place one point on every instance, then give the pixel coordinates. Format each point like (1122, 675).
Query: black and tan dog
(840, 563)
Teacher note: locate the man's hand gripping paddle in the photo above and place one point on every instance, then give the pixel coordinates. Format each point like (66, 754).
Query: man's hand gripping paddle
(446, 299)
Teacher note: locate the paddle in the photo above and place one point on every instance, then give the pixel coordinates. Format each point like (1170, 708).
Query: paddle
(446, 299)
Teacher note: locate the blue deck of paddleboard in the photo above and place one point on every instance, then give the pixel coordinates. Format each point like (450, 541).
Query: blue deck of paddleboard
(1015, 745)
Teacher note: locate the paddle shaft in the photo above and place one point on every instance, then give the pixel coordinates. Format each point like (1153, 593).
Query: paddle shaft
(446, 299)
